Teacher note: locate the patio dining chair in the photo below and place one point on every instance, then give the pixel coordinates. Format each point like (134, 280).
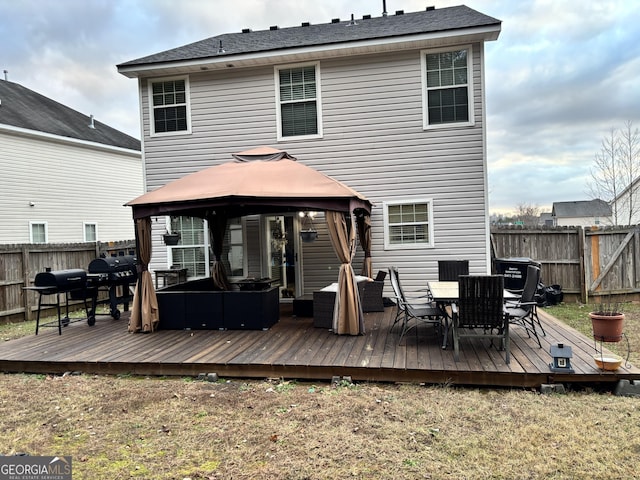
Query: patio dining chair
(479, 312)
(523, 311)
(411, 313)
(450, 270)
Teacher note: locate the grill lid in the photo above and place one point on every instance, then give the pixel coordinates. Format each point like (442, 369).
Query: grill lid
(122, 263)
(62, 280)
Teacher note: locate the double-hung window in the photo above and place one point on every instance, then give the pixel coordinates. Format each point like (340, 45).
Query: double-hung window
(191, 251)
(169, 100)
(448, 87)
(298, 101)
(38, 232)
(408, 224)
(90, 232)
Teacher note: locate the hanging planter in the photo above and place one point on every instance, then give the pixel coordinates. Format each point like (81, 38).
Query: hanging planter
(308, 233)
(171, 238)
(607, 326)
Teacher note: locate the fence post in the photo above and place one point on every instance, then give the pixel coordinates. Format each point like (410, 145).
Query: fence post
(25, 279)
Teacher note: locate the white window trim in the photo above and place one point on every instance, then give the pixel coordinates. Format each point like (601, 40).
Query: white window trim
(46, 231)
(245, 260)
(407, 246)
(84, 231)
(206, 245)
(276, 75)
(470, 86)
(152, 123)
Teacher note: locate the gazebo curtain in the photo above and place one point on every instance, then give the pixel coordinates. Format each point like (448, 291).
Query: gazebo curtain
(348, 318)
(364, 233)
(144, 313)
(217, 229)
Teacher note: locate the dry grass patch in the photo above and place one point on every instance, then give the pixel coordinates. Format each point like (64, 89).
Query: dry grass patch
(178, 428)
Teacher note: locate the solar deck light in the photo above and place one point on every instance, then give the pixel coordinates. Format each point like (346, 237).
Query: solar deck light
(561, 354)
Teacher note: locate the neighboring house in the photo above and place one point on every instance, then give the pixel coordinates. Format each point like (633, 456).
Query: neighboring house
(392, 106)
(65, 177)
(627, 205)
(584, 213)
(546, 219)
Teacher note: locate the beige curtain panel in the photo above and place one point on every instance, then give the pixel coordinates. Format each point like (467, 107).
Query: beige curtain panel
(144, 313)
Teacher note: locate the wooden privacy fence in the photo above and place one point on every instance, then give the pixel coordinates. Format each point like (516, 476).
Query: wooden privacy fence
(19, 265)
(585, 262)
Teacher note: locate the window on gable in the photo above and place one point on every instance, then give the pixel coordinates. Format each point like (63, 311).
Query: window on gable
(38, 232)
(298, 101)
(448, 95)
(408, 224)
(170, 105)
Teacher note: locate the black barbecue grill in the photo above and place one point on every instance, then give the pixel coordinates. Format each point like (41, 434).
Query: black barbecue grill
(56, 282)
(113, 274)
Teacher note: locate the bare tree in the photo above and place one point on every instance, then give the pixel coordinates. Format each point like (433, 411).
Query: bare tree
(528, 214)
(615, 168)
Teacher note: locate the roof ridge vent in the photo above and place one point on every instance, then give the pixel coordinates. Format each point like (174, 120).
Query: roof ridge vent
(335, 20)
(366, 17)
(399, 12)
(306, 24)
(430, 8)
(246, 30)
(273, 27)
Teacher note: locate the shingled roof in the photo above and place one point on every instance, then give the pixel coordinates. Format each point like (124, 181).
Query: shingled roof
(581, 208)
(26, 109)
(230, 45)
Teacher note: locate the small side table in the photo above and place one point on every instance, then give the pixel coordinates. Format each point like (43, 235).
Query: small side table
(171, 276)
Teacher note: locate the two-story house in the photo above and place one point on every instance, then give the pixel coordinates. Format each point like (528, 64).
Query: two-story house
(392, 106)
(65, 176)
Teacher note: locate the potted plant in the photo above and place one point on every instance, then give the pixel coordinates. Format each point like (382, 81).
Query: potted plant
(607, 320)
(171, 238)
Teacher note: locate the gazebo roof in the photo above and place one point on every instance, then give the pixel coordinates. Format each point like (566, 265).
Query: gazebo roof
(261, 180)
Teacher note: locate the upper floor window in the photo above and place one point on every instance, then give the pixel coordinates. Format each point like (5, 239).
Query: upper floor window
(169, 105)
(448, 92)
(408, 224)
(38, 232)
(298, 99)
(90, 232)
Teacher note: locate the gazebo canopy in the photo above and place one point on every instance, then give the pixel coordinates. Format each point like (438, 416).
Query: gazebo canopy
(261, 180)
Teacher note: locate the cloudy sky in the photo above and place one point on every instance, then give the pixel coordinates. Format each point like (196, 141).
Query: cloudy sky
(561, 75)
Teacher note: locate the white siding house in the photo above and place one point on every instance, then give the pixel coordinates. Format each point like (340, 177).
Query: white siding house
(392, 106)
(582, 213)
(65, 177)
(627, 204)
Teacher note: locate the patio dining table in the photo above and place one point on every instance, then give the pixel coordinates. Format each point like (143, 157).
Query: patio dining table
(445, 294)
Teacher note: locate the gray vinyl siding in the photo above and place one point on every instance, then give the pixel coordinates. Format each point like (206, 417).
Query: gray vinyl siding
(69, 183)
(373, 140)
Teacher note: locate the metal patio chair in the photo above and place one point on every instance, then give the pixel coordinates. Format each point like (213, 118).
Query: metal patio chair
(411, 313)
(523, 311)
(479, 312)
(450, 270)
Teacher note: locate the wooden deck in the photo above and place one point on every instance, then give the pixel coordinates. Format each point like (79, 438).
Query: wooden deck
(293, 348)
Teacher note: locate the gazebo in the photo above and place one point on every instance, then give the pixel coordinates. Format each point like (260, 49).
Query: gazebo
(257, 181)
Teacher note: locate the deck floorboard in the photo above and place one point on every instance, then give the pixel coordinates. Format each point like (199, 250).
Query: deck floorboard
(293, 348)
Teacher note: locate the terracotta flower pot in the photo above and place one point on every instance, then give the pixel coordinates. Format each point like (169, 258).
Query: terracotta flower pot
(607, 328)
